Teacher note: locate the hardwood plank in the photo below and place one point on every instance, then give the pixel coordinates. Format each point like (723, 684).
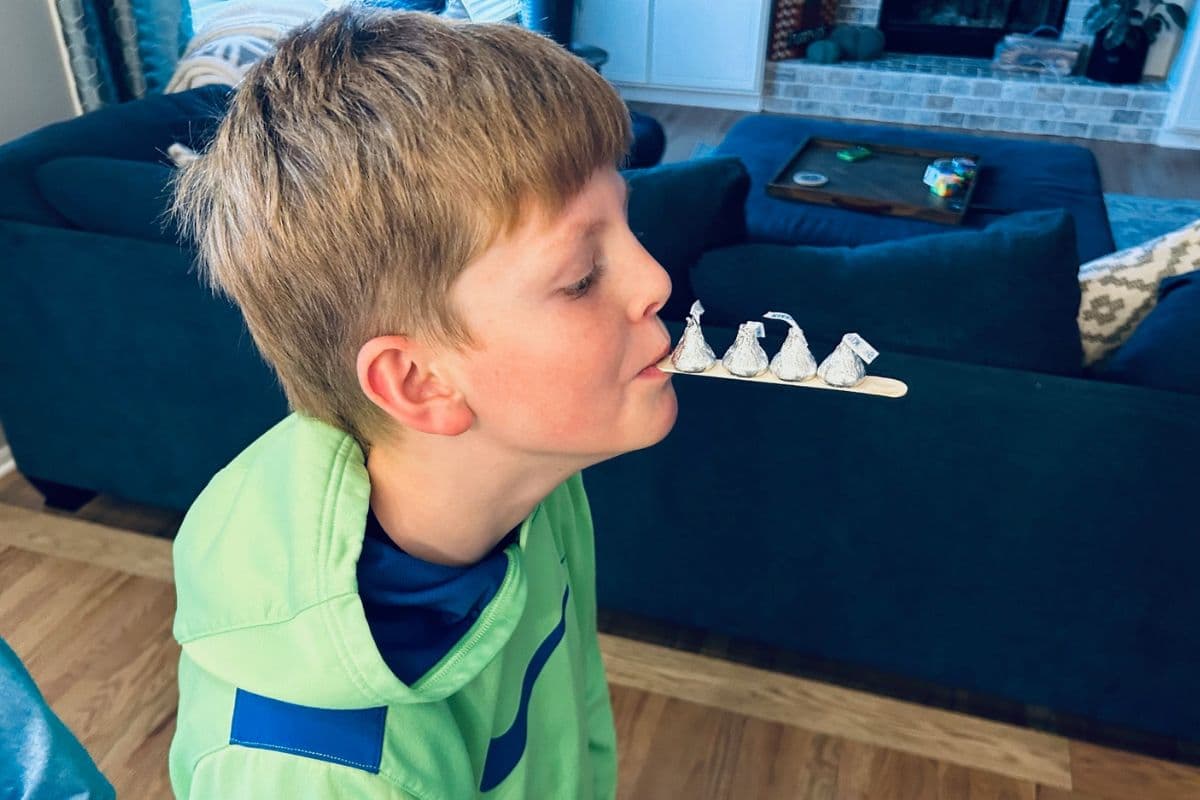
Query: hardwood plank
(98, 643)
(103, 509)
(1117, 775)
(950, 737)
(17, 491)
(672, 747)
(1048, 793)
(65, 537)
(41, 586)
(959, 783)
(783, 761)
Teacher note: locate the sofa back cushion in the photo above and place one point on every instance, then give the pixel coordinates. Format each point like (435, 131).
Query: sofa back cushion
(680, 209)
(1006, 296)
(110, 195)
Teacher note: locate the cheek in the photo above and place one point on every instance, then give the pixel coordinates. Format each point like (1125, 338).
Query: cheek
(554, 381)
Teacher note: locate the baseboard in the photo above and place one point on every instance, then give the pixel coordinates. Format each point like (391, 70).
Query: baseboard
(7, 464)
(737, 101)
(1178, 139)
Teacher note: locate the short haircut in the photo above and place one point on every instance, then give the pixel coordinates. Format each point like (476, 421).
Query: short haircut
(363, 164)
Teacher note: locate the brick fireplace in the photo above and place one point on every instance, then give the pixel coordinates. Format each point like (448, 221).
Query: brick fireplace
(965, 92)
(866, 12)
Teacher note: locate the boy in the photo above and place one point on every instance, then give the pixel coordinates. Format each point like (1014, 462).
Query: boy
(391, 593)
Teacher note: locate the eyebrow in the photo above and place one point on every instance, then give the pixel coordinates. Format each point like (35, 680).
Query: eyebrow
(586, 228)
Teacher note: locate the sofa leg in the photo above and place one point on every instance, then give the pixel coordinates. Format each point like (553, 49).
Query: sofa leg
(60, 496)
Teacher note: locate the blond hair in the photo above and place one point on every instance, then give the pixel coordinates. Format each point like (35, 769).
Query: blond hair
(364, 164)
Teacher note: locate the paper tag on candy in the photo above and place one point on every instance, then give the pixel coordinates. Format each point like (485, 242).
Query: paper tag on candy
(759, 330)
(779, 315)
(860, 347)
(697, 310)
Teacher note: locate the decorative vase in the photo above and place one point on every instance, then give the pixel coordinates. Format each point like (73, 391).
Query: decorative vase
(1122, 64)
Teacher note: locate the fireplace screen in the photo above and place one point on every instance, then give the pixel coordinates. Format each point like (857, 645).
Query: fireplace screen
(958, 13)
(963, 27)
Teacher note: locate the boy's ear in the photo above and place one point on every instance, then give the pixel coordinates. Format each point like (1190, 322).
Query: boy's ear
(394, 371)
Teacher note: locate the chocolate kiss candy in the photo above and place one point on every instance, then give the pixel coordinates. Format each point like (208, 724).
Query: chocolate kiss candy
(847, 364)
(842, 367)
(693, 354)
(746, 358)
(794, 361)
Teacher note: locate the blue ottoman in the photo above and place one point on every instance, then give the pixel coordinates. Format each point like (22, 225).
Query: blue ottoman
(1016, 176)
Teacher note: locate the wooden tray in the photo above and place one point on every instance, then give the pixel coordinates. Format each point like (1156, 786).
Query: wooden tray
(888, 182)
(872, 384)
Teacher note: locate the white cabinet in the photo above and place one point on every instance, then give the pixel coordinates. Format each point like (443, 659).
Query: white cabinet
(711, 47)
(620, 27)
(681, 51)
(1184, 113)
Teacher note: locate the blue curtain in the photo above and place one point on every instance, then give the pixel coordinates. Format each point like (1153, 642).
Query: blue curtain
(123, 49)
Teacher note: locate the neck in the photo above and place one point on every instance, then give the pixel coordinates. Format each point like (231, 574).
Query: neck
(437, 508)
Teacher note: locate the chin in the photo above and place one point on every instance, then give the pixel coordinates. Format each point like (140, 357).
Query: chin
(660, 420)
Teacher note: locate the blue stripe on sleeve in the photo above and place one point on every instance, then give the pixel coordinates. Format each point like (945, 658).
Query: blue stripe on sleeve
(353, 737)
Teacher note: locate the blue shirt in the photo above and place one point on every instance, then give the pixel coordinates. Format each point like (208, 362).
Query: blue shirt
(418, 611)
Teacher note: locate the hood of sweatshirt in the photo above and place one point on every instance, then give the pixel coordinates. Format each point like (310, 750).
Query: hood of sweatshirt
(265, 571)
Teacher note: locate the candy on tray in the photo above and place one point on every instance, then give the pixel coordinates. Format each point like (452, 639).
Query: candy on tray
(794, 361)
(847, 365)
(746, 357)
(693, 354)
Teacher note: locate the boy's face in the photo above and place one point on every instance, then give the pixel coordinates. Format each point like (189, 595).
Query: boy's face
(564, 313)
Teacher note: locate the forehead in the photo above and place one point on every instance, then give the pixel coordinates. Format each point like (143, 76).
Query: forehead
(602, 194)
(543, 238)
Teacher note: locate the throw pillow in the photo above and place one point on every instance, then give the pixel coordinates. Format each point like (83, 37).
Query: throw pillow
(235, 36)
(1119, 290)
(1161, 351)
(1004, 296)
(679, 210)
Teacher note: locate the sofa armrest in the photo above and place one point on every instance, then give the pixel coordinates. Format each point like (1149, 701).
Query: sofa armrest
(122, 374)
(140, 130)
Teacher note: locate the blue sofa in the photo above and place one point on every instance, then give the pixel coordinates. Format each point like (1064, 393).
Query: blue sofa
(1026, 536)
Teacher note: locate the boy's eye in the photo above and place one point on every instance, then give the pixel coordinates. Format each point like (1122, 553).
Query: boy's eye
(583, 285)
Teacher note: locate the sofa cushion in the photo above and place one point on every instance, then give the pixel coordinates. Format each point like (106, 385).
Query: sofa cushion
(1119, 290)
(1006, 296)
(110, 195)
(1161, 352)
(1015, 176)
(678, 210)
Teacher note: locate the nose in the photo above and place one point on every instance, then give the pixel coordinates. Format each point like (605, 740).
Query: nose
(653, 287)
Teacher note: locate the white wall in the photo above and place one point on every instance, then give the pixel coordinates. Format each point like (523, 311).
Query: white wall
(36, 87)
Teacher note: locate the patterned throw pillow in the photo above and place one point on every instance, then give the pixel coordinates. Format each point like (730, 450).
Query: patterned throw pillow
(1119, 290)
(236, 35)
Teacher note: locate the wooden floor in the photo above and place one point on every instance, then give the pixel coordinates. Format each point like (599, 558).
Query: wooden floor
(87, 600)
(1141, 169)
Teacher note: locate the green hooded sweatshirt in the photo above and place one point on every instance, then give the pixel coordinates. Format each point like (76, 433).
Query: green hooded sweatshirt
(283, 693)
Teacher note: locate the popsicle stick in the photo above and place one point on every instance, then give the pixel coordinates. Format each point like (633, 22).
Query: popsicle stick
(872, 384)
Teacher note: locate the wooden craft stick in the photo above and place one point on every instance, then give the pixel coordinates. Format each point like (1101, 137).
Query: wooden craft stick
(872, 384)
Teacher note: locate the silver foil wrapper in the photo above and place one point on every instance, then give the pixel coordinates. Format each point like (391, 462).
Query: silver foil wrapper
(842, 367)
(693, 354)
(745, 357)
(794, 361)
